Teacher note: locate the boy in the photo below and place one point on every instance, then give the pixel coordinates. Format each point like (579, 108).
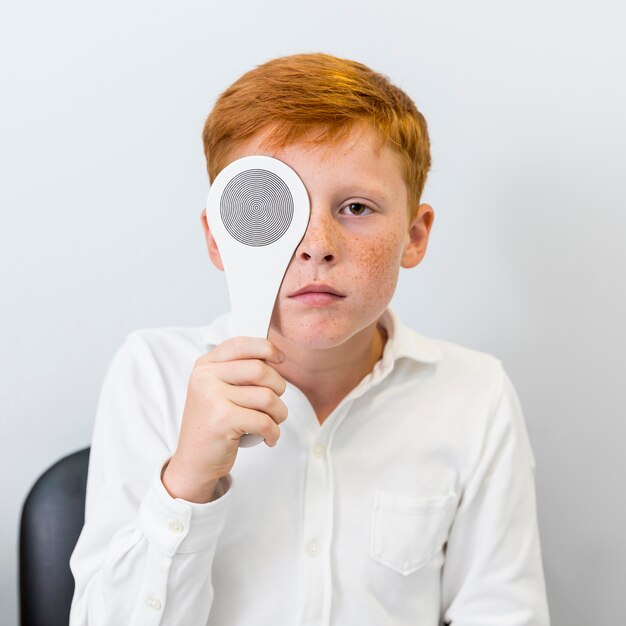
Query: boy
(401, 490)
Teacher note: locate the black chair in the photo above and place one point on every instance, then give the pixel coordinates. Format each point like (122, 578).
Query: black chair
(52, 518)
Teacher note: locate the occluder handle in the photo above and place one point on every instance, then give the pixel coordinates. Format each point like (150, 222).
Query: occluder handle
(248, 441)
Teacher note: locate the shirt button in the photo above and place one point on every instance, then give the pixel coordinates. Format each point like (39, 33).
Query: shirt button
(175, 526)
(318, 450)
(314, 548)
(154, 603)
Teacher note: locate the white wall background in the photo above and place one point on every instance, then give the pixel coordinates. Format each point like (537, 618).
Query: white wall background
(102, 105)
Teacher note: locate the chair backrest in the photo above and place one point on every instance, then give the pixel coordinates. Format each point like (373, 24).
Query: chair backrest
(52, 518)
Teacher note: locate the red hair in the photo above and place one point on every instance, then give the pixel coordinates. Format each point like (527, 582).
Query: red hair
(317, 98)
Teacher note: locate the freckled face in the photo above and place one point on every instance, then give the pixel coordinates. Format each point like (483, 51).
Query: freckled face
(355, 242)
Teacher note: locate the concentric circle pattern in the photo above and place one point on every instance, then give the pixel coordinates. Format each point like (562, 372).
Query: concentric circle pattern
(256, 207)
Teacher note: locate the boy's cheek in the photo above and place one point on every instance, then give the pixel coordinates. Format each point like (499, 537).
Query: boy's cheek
(371, 265)
(381, 262)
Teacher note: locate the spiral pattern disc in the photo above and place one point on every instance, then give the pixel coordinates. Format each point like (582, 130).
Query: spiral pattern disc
(256, 207)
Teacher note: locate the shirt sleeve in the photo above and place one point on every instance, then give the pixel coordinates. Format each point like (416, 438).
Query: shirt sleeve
(493, 572)
(143, 557)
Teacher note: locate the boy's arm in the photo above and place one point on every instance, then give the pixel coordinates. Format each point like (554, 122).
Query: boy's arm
(493, 574)
(145, 557)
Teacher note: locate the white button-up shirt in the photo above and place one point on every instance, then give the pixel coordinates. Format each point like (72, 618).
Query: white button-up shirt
(413, 503)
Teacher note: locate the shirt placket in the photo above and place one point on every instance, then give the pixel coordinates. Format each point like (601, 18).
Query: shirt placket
(318, 524)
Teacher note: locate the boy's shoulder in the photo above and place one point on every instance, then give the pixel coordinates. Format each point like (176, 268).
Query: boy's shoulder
(469, 370)
(183, 337)
(170, 351)
(462, 355)
(451, 370)
(469, 387)
(417, 347)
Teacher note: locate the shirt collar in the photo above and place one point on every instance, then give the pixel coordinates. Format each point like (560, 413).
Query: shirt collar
(404, 342)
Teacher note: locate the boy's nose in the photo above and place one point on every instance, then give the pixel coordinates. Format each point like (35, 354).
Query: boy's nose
(319, 243)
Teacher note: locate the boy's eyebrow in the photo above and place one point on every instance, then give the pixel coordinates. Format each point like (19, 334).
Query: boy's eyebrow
(376, 193)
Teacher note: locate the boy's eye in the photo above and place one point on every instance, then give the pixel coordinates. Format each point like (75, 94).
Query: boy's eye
(357, 208)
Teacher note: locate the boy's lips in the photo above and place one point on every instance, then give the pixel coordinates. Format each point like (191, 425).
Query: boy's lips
(318, 288)
(317, 295)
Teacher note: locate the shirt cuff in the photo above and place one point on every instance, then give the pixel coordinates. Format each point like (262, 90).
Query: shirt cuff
(177, 526)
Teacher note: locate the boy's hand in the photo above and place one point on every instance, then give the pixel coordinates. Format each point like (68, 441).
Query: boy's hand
(232, 391)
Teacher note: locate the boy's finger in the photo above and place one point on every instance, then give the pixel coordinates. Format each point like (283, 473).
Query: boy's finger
(260, 399)
(250, 372)
(244, 348)
(254, 422)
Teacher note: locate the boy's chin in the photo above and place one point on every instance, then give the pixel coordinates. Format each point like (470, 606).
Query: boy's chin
(308, 335)
(308, 338)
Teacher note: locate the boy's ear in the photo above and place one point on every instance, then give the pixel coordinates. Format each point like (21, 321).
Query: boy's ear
(214, 253)
(417, 236)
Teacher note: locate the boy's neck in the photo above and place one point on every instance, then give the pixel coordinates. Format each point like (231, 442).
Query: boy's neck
(328, 376)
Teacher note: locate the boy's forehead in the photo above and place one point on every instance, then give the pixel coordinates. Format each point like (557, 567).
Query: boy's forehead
(360, 139)
(361, 162)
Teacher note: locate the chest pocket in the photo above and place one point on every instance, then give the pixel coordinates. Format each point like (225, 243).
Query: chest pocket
(407, 532)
